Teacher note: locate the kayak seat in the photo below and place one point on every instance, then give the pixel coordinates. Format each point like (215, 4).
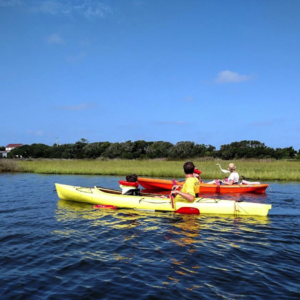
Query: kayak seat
(127, 183)
(133, 192)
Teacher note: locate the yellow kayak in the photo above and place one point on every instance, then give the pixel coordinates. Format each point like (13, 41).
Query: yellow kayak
(104, 196)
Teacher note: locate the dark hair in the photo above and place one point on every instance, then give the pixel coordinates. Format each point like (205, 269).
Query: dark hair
(131, 178)
(188, 167)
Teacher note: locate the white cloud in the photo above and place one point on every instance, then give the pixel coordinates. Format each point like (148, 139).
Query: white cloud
(130, 126)
(55, 39)
(138, 2)
(230, 77)
(93, 9)
(262, 124)
(188, 99)
(78, 57)
(88, 8)
(178, 123)
(78, 107)
(52, 7)
(7, 3)
(36, 132)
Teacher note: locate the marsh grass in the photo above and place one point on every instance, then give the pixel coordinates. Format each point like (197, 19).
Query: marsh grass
(8, 165)
(253, 170)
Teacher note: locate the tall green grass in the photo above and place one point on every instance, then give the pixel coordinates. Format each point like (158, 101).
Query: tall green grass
(254, 170)
(8, 165)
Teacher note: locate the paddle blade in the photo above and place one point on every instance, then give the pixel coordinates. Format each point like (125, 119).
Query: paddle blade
(188, 210)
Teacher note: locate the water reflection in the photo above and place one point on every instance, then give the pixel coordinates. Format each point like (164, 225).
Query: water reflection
(185, 245)
(67, 210)
(72, 250)
(182, 229)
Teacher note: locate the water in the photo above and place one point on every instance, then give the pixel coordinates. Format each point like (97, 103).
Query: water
(54, 249)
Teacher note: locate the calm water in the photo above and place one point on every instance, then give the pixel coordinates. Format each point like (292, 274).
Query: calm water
(53, 249)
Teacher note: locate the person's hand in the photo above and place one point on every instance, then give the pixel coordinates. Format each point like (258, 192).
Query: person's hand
(173, 193)
(175, 187)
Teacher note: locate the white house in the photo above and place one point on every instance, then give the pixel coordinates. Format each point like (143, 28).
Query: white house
(3, 154)
(8, 148)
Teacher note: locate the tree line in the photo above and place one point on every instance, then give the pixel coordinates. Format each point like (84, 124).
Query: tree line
(142, 150)
(148, 150)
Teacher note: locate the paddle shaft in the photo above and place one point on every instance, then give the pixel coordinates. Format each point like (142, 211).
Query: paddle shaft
(172, 198)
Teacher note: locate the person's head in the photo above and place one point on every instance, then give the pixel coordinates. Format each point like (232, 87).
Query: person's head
(188, 167)
(131, 178)
(231, 167)
(196, 172)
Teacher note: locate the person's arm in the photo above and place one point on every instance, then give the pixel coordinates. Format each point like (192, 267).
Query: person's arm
(176, 187)
(186, 196)
(229, 182)
(188, 193)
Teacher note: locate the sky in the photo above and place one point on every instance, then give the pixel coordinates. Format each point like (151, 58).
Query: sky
(208, 71)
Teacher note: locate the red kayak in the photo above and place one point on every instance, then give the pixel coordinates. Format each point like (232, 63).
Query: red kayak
(155, 184)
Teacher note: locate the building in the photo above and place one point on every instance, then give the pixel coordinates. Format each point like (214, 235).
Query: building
(3, 154)
(8, 148)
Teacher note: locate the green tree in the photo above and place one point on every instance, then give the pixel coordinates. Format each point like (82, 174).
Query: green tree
(95, 150)
(158, 149)
(61, 151)
(285, 153)
(77, 150)
(201, 150)
(245, 149)
(140, 148)
(127, 149)
(113, 151)
(182, 150)
(39, 150)
(22, 151)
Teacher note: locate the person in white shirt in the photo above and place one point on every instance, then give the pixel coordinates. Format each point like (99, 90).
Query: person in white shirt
(233, 177)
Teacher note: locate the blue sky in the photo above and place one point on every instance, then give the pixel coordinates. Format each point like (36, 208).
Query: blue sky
(211, 71)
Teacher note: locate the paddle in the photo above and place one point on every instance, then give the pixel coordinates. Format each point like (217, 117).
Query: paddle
(172, 197)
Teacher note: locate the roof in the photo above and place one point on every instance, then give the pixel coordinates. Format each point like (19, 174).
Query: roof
(13, 145)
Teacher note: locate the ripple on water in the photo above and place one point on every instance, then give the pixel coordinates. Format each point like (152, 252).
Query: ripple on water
(54, 249)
